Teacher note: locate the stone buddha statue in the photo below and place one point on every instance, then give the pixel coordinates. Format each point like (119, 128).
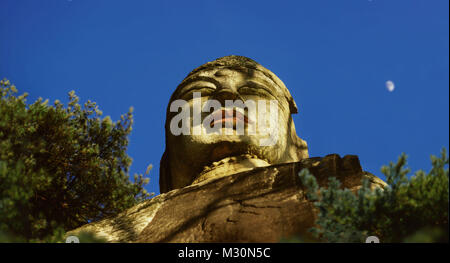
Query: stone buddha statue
(229, 172)
(193, 158)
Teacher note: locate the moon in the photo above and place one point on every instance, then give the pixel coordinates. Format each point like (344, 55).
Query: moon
(390, 86)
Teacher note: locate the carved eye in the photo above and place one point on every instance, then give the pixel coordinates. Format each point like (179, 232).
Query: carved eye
(246, 90)
(204, 90)
(254, 91)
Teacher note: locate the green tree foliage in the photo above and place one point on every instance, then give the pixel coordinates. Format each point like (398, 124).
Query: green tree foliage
(61, 167)
(413, 209)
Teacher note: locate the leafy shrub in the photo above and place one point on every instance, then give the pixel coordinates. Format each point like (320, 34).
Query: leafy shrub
(61, 167)
(411, 209)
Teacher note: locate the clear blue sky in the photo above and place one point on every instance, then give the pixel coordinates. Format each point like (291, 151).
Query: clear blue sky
(334, 56)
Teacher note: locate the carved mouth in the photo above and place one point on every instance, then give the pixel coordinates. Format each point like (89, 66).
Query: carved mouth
(228, 115)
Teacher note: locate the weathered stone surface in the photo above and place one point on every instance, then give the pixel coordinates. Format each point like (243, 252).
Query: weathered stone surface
(261, 205)
(231, 187)
(233, 84)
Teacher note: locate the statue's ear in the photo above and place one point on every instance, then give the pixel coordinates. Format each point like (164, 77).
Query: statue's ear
(165, 180)
(301, 147)
(292, 105)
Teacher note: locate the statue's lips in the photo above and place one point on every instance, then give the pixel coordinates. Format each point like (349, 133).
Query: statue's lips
(230, 115)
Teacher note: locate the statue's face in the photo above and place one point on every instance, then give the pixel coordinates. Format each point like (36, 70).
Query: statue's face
(194, 151)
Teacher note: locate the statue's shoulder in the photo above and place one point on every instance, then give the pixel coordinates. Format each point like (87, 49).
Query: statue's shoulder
(233, 208)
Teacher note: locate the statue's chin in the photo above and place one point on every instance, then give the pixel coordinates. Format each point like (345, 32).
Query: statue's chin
(217, 148)
(252, 140)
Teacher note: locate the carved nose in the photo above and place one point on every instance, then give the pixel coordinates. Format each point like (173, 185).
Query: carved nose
(227, 94)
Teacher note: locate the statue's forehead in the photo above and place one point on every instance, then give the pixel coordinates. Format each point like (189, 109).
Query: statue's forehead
(238, 73)
(245, 73)
(233, 75)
